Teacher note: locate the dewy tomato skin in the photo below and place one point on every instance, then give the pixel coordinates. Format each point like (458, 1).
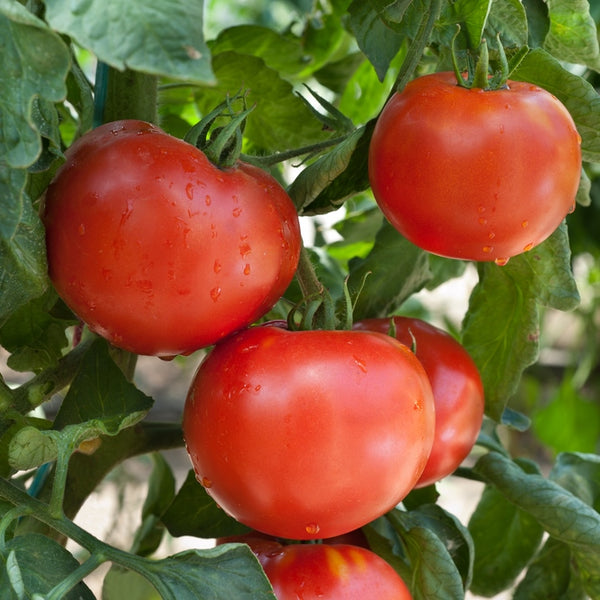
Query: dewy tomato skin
(308, 434)
(157, 249)
(457, 391)
(331, 572)
(473, 174)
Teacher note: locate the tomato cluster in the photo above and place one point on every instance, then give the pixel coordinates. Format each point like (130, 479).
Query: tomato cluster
(307, 435)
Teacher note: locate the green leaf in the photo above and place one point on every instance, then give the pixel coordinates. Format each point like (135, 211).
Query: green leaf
(221, 573)
(434, 573)
(332, 178)
(551, 576)
(502, 335)
(394, 269)
(572, 36)
(194, 512)
(39, 563)
(579, 96)
(279, 121)
(505, 539)
(579, 474)
(508, 18)
(22, 245)
(30, 448)
(161, 491)
(34, 336)
(282, 53)
(164, 38)
(38, 59)
(563, 515)
(120, 584)
(472, 15)
(100, 397)
(376, 32)
(569, 421)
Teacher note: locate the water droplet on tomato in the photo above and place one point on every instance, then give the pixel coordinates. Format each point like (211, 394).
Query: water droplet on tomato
(312, 529)
(206, 482)
(189, 191)
(213, 231)
(417, 405)
(257, 388)
(217, 266)
(207, 200)
(236, 212)
(524, 224)
(491, 235)
(482, 221)
(81, 229)
(215, 293)
(501, 261)
(247, 269)
(481, 208)
(244, 250)
(487, 249)
(360, 364)
(528, 247)
(501, 129)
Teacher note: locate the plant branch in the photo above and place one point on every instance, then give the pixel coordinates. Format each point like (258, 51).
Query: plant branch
(418, 45)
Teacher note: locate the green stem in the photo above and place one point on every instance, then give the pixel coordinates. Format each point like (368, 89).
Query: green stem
(480, 78)
(68, 583)
(39, 389)
(418, 45)
(273, 159)
(61, 470)
(313, 290)
(130, 95)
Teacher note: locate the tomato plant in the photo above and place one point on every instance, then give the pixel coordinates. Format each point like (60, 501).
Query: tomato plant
(160, 251)
(456, 385)
(284, 428)
(339, 571)
(446, 165)
(292, 103)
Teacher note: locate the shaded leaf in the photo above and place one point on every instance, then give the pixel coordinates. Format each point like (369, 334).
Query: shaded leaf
(164, 38)
(194, 512)
(394, 269)
(221, 573)
(505, 539)
(38, 59)
(39, 563)
(101, 397)
(501, 327)
(22, 245)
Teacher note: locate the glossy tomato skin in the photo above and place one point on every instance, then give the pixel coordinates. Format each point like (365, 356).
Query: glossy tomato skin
(457, 391)
(157, 249)
(474, 174)
(331, 572)
(308, 434)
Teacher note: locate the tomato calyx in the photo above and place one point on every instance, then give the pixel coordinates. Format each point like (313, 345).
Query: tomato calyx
(221, 145)
(477, 73)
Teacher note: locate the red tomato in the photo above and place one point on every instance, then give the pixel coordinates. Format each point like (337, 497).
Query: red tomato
(157, 249)
(474, 174)
(308, 434)
(457, 391)
(331, 572)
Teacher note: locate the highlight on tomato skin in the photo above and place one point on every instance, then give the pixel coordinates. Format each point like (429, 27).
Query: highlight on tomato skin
(308, 434)
(473, 174)
(157, 249)
(331, 572)
(457, 390)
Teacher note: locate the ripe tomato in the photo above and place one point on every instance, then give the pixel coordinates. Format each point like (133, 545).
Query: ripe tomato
(474, 174)
(157, 249)
(331, 572)
(308, 434)
(457, 391)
